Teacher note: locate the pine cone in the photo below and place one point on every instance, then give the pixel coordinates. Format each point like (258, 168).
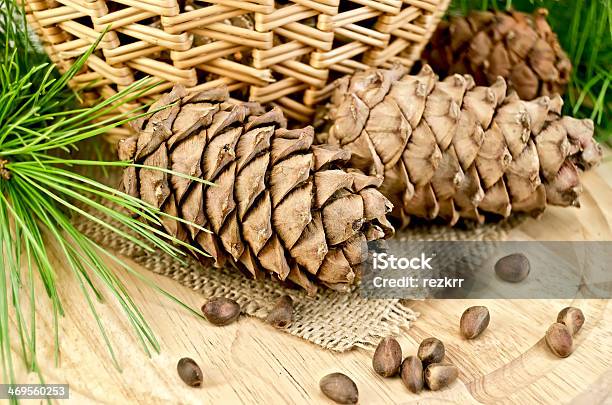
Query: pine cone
(279, 205)
(519, 47)
(450, 149)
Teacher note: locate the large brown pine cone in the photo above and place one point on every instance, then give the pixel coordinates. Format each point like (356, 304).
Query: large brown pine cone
(519, 47)
(279, 205)
(451, 149)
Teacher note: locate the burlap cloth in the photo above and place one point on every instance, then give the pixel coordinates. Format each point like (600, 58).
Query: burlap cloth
(331, 320)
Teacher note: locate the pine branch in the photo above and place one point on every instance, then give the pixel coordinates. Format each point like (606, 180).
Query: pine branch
(41, 192)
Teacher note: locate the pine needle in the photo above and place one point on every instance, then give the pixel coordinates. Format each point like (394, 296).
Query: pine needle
(41, 193)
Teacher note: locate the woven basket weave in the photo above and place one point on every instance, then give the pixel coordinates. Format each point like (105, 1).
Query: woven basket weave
(282, 52)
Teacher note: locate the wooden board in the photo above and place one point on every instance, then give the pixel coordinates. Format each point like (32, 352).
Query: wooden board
(250, 362)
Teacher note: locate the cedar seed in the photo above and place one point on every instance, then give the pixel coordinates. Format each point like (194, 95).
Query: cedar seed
(559, 339)
(440, 375)
(571, 317)
(189, 371)
(387, 358)
(474, 321)
(412, 374)
(431, 350)
(339, 388)
(221, 311)
(281, 315)
(513, 268)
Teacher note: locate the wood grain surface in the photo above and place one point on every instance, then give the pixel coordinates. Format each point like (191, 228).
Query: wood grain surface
(250, 362)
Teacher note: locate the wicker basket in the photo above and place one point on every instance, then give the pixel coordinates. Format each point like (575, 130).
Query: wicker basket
(281, 52)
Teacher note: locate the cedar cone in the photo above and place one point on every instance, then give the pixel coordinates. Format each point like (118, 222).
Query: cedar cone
(451, 149)
(519, 47)
(279, 204)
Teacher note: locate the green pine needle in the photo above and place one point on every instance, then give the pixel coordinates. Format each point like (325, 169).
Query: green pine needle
(40, 125)
(584, 28)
